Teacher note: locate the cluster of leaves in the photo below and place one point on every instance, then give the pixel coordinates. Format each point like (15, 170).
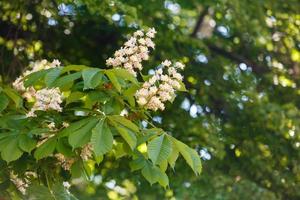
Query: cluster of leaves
(241, 110)
(93, 101)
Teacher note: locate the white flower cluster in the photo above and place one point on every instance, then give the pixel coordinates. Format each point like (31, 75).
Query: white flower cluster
(21, 184)
(64, 162)
(86, 152)
(18, 84)
(46, 99)
(51, 126)
(134, 51)
(160, 87)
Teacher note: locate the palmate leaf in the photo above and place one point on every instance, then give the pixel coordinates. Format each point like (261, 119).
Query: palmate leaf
(46, 148)
(127, 135)
(114, 80)
(34, 77)
(60, 193)
(124, 122)
(74, 126)
(82, 135)
(91, 78)
(74, 97)
(163, 165)
(64, 147)
(153, 174)
(173, 157)
(3, 102)
(57, 192)
(129, 94)
(69, 68)
(182, 87)
(26, 143)
(77, 169)
(124, 74)
(102, 139)
(67, 80)
(14, 96)
(159, 149)
(190, 155)
(137, 163)
(36, 192)
(10, 151)
(52, 75)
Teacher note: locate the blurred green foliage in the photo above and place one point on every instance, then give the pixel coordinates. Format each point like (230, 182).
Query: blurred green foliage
(241, 111)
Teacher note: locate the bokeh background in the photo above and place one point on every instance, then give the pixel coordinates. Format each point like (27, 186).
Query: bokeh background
(241, 111)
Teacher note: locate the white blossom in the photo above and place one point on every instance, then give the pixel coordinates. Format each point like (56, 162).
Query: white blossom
(46, 99)
(65, 124)
(138, 33)
(29, 92)
(124, 112)
(134, 51)
(21, 184)
(86, 152)
(51, 126)
(160, 87)
(166, 63)
(179, 65)
(64, 162)
(151, 33)
(142, 101)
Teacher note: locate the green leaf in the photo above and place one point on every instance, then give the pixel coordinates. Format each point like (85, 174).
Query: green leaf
(137, 163)
(57, 192)
(153, 174)
(38, 131)
(14, 96)
(163, 165)
(74, 126)
(66, 80)
(173, 157)
(64, 148)
(4, 185)
(190, 155)
(11, 150)
(91, 78)
(163, 179)
(149, 134)
(34, 77)
(159, 149)
(5, 138)
(112, 77)
(182, 87)
(52, 76)
(94, 97)
(77, 169)
(3, 102)
(128, 136)
(45, 149)
(60, 193)
(37, 192)
(102, 139)
(124, 74)
(150, 172)
(119, 150)
(98, 96)
(69, 68)
(129, 94)
(124, 122)
(98, 159)
(27, 143)
(82, 135)
(74, 97)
